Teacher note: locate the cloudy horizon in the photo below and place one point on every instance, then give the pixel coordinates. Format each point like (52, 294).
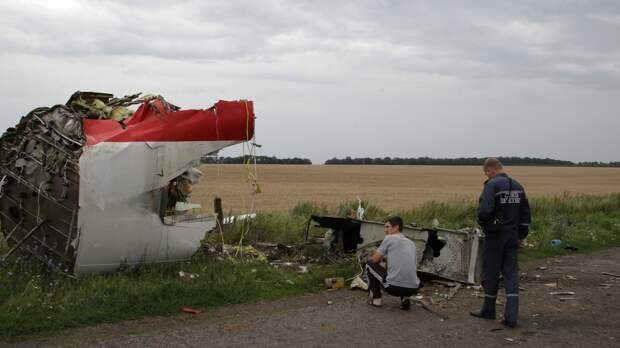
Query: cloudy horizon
(334, 79)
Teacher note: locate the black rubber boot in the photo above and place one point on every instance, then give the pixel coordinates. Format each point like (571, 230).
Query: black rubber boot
(511, 311)
(510, 324)
(488, 309)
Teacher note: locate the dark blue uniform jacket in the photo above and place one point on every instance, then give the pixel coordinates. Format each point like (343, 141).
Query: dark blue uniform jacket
(512, 208)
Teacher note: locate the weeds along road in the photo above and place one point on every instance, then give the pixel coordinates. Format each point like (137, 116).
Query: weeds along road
(590, 319)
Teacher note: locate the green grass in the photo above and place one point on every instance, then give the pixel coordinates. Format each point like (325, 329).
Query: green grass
(584, 221)
(33, 302)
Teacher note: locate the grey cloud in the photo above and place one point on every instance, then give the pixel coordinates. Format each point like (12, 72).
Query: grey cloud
(456, 62)
(518, 39)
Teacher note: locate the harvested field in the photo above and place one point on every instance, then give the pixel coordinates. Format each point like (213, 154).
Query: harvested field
(389, 187)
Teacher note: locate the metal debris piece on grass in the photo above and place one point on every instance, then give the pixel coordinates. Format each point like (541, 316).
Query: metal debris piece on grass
(358, 283)
(187, 275)
(191, 310)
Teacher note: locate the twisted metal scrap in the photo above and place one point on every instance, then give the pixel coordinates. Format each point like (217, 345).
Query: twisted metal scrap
(39, 199)
(39, 176)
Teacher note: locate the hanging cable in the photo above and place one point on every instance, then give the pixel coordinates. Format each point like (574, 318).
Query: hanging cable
(251, 176)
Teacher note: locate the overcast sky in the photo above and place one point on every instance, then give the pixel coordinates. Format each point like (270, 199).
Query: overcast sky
(341, 78)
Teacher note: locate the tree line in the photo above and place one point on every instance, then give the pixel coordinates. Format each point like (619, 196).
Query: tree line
(259, 160)
(467, 161)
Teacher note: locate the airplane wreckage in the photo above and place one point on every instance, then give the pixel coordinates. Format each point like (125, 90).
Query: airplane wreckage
(90, 186)
(446, 253)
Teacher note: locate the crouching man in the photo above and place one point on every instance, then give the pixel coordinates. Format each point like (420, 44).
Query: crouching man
(400, 278)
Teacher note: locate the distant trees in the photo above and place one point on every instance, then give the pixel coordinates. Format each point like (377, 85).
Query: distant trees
(259, 160)
(467, 161)
(460, 161)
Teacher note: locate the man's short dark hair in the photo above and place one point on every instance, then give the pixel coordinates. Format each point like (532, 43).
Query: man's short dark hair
(395, 221)
(492, 163)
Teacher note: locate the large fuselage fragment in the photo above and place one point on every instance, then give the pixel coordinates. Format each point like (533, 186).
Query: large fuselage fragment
(121, 174)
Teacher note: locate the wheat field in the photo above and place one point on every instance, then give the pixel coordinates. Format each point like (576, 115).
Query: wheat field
(390, 187)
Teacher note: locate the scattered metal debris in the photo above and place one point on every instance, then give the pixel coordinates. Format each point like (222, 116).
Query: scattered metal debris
(289, 266)
(191, 310)
(188, 276)
(92, 186)
(562, 293)
(611, 274)
(454, 291)
(428, 308)
(232, 219)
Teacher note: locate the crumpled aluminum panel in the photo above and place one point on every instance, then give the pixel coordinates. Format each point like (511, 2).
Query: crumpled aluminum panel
(460, 258)
(120, 193)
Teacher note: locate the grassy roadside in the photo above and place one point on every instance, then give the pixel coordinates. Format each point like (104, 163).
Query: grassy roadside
(32, 302)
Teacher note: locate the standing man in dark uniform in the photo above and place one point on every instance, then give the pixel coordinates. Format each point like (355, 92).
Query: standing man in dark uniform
(504, 214)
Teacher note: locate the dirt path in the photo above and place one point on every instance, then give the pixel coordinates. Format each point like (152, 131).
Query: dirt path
(591, 319)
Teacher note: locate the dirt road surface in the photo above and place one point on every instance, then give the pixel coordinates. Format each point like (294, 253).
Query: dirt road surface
(590, 318)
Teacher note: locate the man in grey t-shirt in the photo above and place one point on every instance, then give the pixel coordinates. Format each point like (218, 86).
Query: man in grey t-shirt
(400, 278)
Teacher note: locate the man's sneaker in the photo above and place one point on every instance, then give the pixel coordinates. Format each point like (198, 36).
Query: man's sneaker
(376, 302)
(405, 304)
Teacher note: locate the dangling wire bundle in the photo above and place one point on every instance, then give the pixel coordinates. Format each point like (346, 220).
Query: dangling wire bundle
(251, 176)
